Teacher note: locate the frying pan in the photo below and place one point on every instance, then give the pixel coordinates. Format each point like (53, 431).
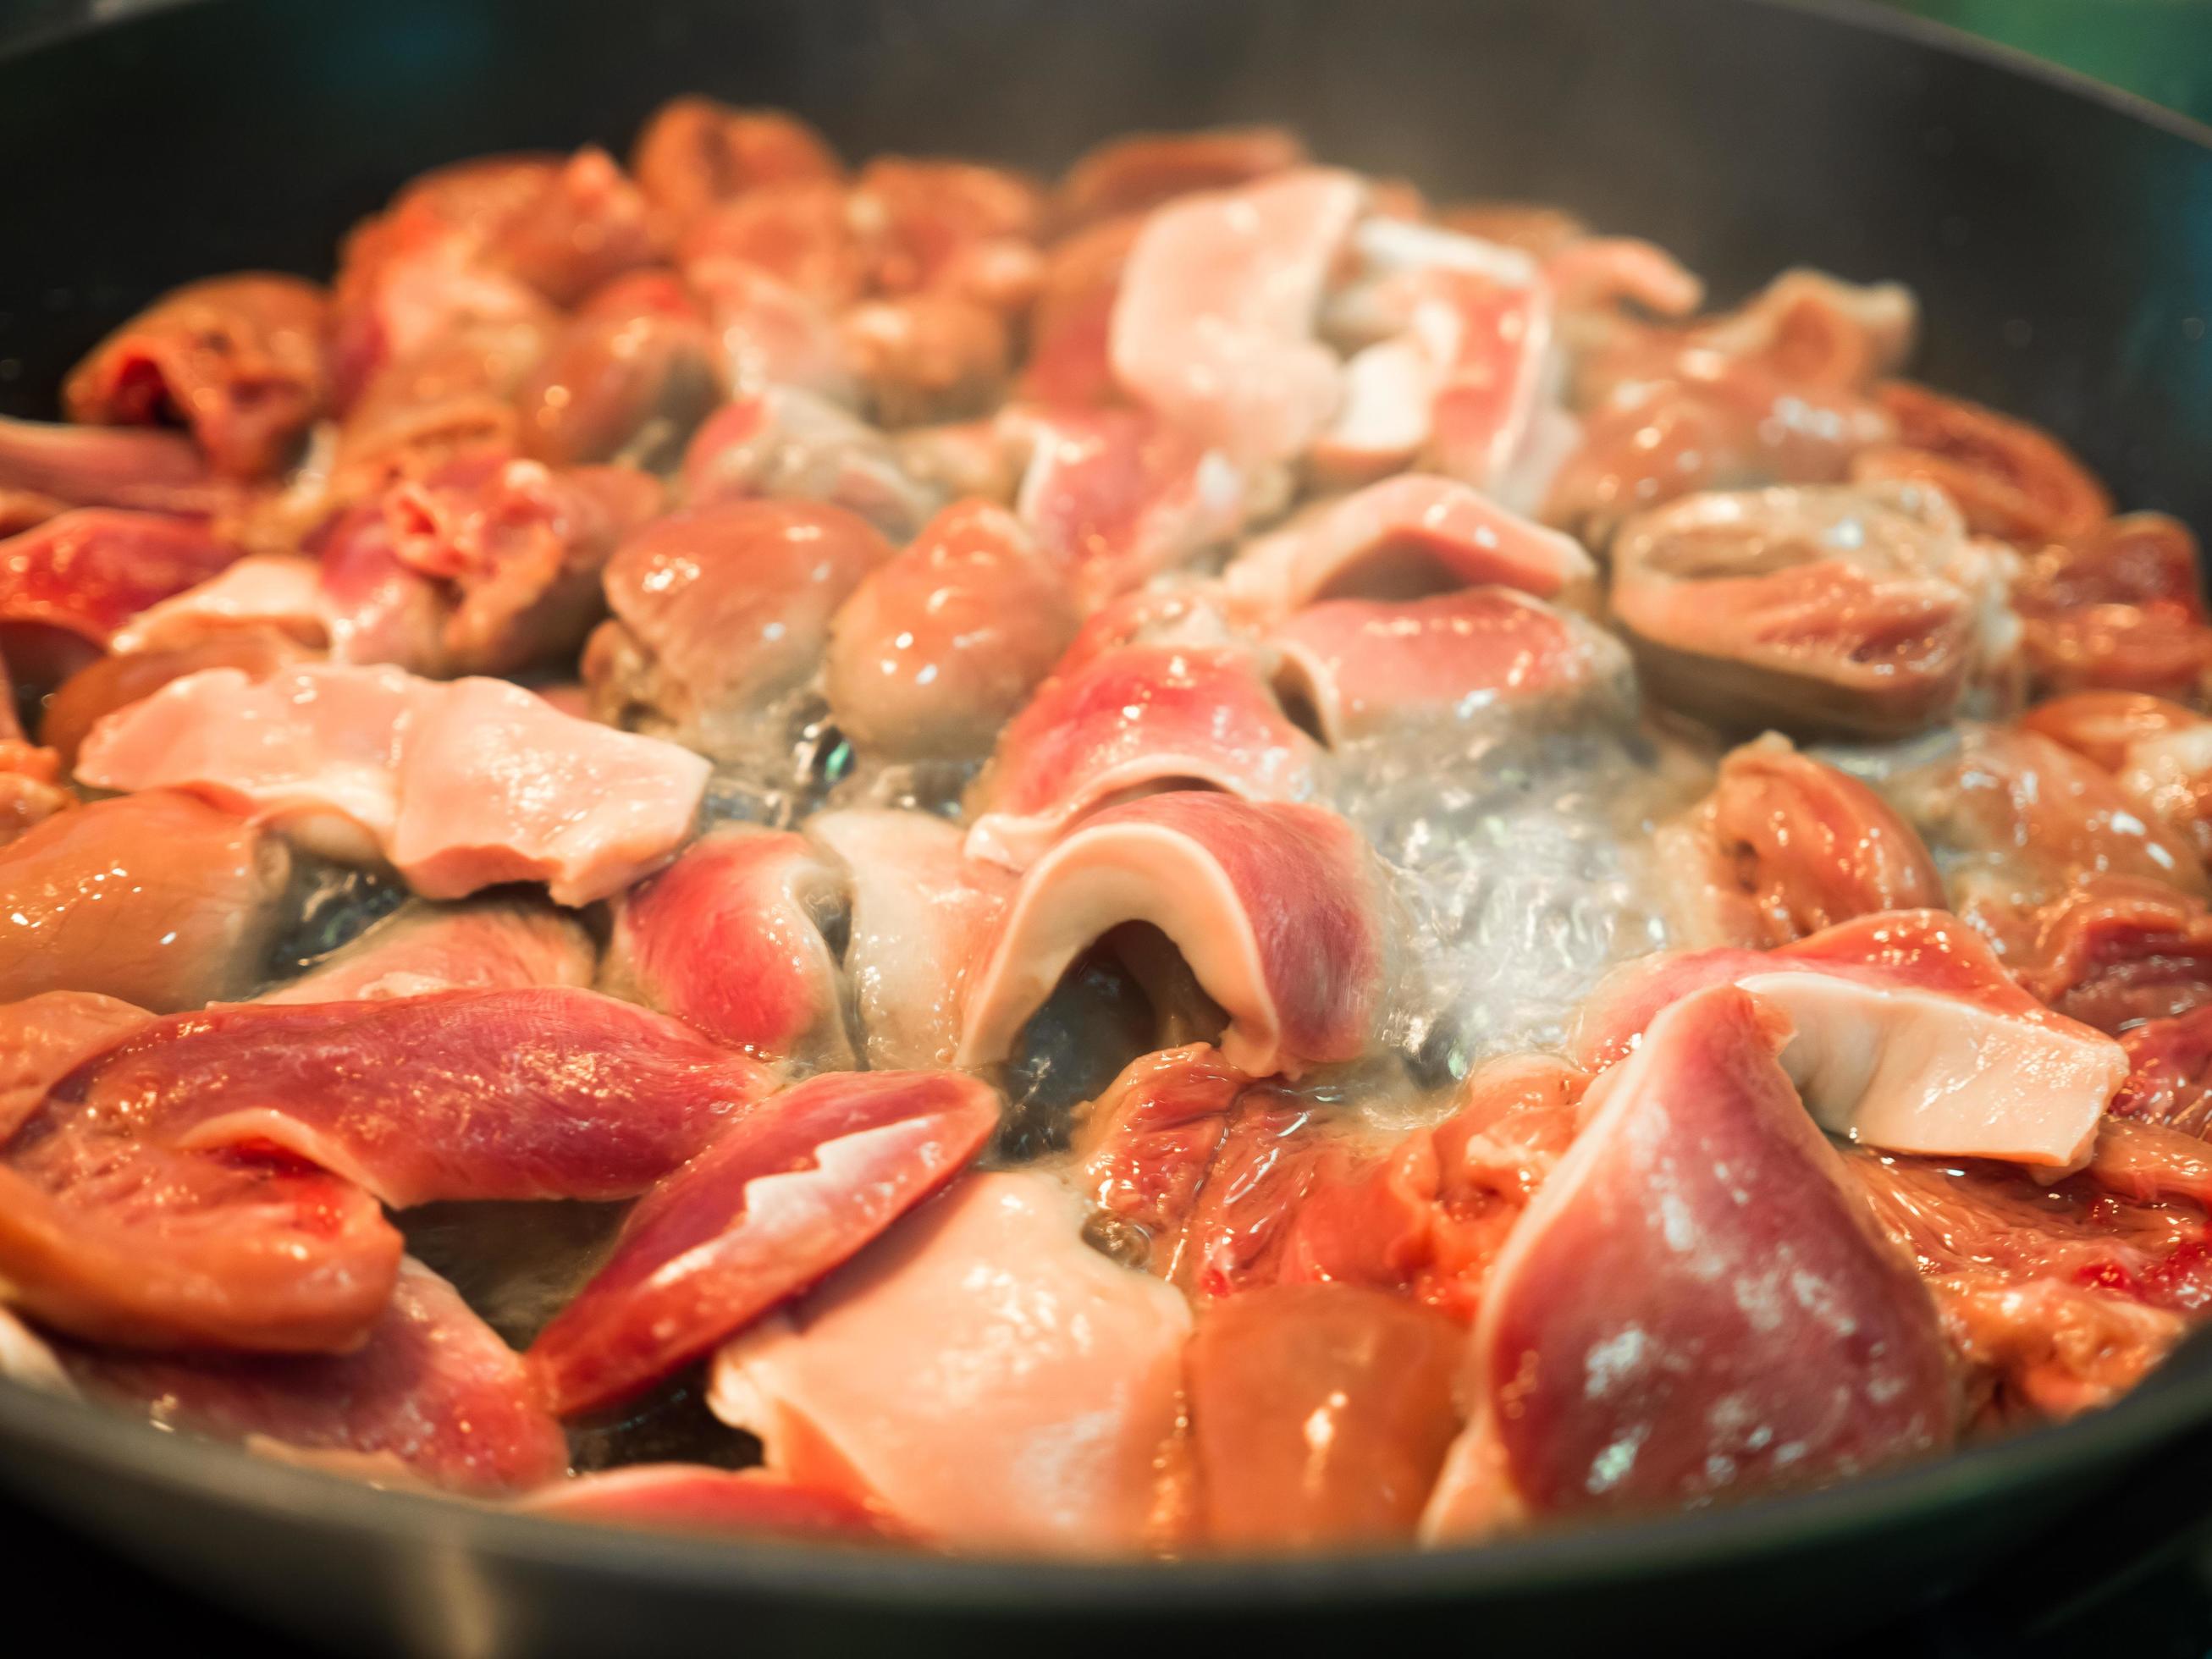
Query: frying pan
(2059, 236)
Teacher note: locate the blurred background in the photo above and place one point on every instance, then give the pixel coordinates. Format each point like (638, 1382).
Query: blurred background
(2160, 49)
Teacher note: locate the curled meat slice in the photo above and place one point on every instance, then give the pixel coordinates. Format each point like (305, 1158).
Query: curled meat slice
(458, 786)
(1368, 665)
(695, 152)
(1214, 328)
(628, 378)
(237, 360)
(1786, 846)
(1136, 172)
(2116, 950)
(269, 597)
(67, 585)
(487, 945)
(728, 938)
(1119, 496)
(432, 1394)
(2010, 480)
(937, 647)
(922, 911)
(158, 899)
(1401, 539)
(1320, 1414)
(1133, 721)
(791, 1190)
(141, 468)
(1694, 1306)
(212, 1180)
(1819, 610)
(789, 445)
(721, 610)
(1909, 1037)
(1278, 911)
(1050, 1395)
(2120, 606)
(694, 1498)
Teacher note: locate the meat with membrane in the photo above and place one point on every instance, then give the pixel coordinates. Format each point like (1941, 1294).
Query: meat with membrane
(2158, 752)
(936, 648)
(790, 1191)
(926, 357)
(2170, 1072)
(1121, 496)
(238, 360)
(1786, 846)
(1819, 612)
(1067, 365)
(721, 610)
(1214, 329)
(630, 378)
(1138, 170)
(1368, 666)
(1320, 1415)
(696, 1498)
(939, 224)
(485, 944)
(158, 899)
(1139, 719)
(67, 585)
(1045, 1387)
(694, 152)
(2010, 480)
(1279, 912)
(800, 232)
(458, 786)
(1694, 1306)
(1907, 1036)
(728, 938)
(787, 444)
(922, 913)
(431, 1395)
(2115, 950)
(1401, 539)
(2117, 607)
(213, 1179)
(43, 1038)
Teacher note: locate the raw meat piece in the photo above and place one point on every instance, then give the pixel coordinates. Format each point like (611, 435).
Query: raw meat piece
(1148, 1144)
(2116, 950)
(1786, 846)
(1214, 328)
(937, 649)
(630, 378)
(2009, 479)
(1401, 539)
(460, 785)
(926, 357)
(788, 444)
(2119, 606)
(1127, 722)
(1278, 911)
(1137, 171)
(91, 694)
(693, 1498)
(728, 938)
(157, 898)
(721, 610)
(67, 585)
(1909, 1037)
(237, 360)
(46, 1037)
(1694, 1306)
(486, 945)
(431, 1396)
(140, 468)
(1046, 1386)
(268, 595)
(922, 913)
(791, 1190)
(696, 152)
(2170, 1075)
(943, 225)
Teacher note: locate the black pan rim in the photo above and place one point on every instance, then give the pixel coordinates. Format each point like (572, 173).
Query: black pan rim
(97, 1443)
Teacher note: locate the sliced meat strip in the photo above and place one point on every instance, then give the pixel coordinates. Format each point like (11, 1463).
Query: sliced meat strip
(790, 1192)
(1694, 1306)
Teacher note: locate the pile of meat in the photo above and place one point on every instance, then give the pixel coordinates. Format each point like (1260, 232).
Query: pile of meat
(1207, 858)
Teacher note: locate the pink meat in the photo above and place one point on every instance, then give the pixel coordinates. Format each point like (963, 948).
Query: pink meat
(46, 1037)
(137, 467)
(1278, 911)
(1364, 665)
(67, 585)
(728, 938)
(1140, 718)
(1400, 539)
(1694, 1306)
(937, 649)
(159, 899)
(1214, 328)
(431, 1396)
(628, 378)
(693, 1498)
(459, 786)
(213, 1179)
(1910, 1035)
(792, 1189)
(489, 944)
(1048, 1395)
(784, 442)
(273, 593)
